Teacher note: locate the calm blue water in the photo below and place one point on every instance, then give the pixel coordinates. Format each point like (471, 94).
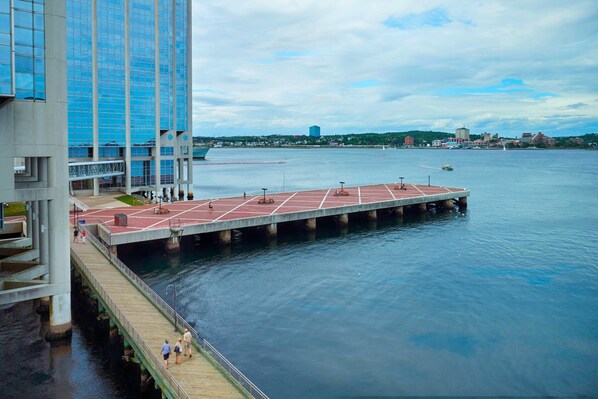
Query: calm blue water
(500, 300)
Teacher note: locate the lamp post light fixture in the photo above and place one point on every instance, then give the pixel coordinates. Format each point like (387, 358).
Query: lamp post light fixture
(401, 180)
(160, 202)
(264, 194)
(173, 285)
(342, 184)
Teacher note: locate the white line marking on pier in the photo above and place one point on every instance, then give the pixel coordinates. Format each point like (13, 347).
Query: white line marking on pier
(359, 194)
(390, 191)
(284, 202)
(235, 208)
(324, 199)
(420, 191)
(175, 216)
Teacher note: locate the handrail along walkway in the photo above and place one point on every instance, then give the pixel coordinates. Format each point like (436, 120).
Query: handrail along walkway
(230, 370)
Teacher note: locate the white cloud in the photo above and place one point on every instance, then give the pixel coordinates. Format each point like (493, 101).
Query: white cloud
(357, 65)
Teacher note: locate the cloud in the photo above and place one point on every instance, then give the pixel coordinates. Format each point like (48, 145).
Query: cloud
(364, 84)
(505, 66)
(577, 105)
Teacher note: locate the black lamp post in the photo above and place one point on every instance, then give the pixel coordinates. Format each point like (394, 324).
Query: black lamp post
(160, 202)
(401, 180)
(173, 285)
(264, 194)
(342, 184)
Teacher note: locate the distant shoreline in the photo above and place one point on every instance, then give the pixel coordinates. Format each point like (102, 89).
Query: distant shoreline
(377, 147)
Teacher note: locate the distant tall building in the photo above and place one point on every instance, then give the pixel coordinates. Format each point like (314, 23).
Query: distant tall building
(129, 91)
(33, 121)
(462, 133)
(314, 131)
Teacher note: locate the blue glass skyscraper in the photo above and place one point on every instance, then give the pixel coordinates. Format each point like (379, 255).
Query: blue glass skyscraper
(129, 91)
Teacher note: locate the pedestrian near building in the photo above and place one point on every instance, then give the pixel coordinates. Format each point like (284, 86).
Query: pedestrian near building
(178, 349)
(166, 352)
(187, 339)
(83, 236)
(76, 235)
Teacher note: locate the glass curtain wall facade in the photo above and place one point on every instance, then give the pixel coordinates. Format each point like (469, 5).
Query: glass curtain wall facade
(128, 73)
(22, 63)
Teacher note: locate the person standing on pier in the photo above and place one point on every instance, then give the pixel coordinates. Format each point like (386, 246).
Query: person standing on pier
(83, 236)
(187, 339)
(166, 352)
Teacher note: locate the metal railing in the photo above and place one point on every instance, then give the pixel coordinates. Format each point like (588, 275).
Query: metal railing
(148, 354)
(169, 312)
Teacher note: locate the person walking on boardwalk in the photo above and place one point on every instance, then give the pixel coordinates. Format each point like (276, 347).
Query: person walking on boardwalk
(166, 352)
(178, 349)
(83, 235)
(76, 235)
(187, 339)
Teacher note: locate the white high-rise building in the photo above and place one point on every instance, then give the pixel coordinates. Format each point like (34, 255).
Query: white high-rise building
(462, 133)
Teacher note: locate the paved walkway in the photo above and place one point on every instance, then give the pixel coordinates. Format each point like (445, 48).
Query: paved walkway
(198, 377)
(199, 211)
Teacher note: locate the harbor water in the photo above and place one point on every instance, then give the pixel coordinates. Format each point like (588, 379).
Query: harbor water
(497, 300)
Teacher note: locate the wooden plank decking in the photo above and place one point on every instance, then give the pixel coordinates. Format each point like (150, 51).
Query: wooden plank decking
(197, 376)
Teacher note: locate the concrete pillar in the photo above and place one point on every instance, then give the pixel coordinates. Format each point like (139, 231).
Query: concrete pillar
(342, 220)
(463, 202)
(224, 237)
(173, 244)
(114, 250)
(94, 91)
(310, 224)
(35, 222)
(399, 211)
(372, 215)
(157, 155)
(422, 208)
(189, 93)
(127, 102)
(60, 317)
(44, 251)
(448, 204)
(29, 220)
(271, 230)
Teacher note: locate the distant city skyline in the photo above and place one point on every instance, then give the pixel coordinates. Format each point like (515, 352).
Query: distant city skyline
(503, 67)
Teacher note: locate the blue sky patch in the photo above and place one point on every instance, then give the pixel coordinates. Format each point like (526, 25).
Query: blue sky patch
(434, 17)
(364, 84)
(506, 86)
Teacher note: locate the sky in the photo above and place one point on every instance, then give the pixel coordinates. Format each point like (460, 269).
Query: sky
(265, 67)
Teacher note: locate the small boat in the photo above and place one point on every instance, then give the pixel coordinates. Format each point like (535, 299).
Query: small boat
(447, 167)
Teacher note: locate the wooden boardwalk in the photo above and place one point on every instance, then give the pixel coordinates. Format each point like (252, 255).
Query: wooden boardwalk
(197, 376)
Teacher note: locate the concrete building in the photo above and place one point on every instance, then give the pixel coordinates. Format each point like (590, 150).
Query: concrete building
(129, 93)
(314, 131)
(33, 133)
(462, 133)
(526, 137)
(540, 138)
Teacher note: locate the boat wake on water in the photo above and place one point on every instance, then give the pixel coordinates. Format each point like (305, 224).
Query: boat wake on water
(429, 167)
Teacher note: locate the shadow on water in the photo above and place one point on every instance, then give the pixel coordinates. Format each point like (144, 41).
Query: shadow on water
(151, 258)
